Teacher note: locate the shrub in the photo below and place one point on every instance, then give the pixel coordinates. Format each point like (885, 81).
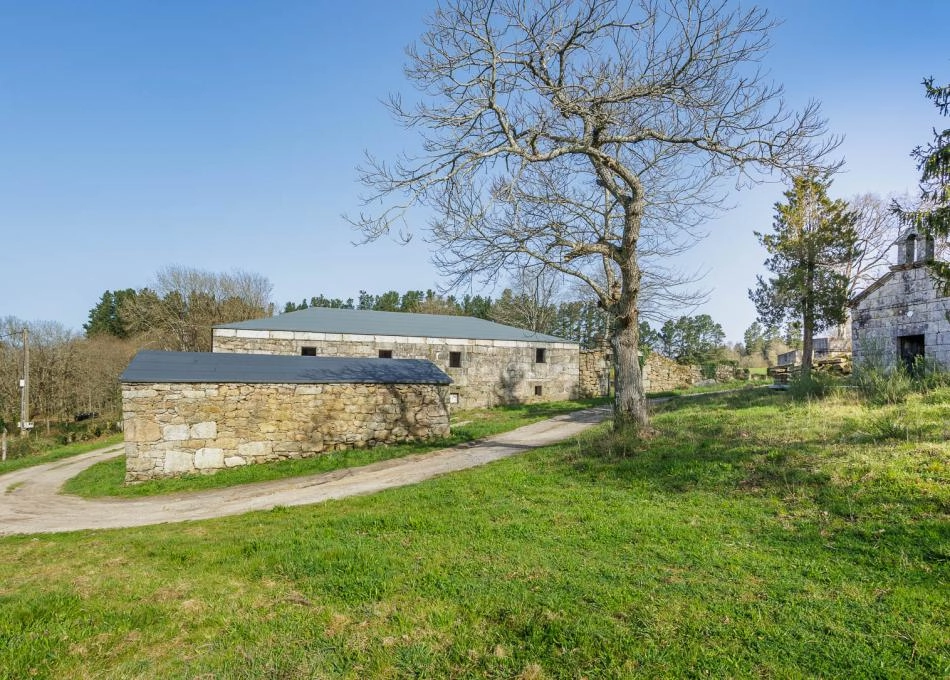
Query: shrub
(881, 386)
(814, 386)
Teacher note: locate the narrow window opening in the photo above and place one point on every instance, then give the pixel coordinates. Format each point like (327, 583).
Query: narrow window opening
(308, 351)
(385, 354)
(537, 390)
(455, 360)
(539, 355)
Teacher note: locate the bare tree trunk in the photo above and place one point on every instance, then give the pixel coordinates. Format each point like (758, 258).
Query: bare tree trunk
(629, 401)
(630, 409)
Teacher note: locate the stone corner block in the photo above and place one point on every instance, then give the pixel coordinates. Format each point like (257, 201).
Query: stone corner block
(209, 459)
(177, 462)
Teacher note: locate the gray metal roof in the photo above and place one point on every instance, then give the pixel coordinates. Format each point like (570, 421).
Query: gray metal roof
(223, 367)
(365, 322)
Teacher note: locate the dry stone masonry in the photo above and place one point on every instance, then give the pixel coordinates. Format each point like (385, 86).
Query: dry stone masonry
(175, 427)
(594, 373)
(661, 374)
(488, 372)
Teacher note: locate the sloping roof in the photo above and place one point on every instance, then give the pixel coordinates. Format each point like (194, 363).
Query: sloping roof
(856, 300)
(222, 367)
(365, 322)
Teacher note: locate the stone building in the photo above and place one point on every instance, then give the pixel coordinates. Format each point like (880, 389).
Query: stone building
(197, 412)
(903, 315)
(490, 364)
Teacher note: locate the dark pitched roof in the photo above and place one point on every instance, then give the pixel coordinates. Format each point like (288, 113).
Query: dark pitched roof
(221, 367)
(365, 322)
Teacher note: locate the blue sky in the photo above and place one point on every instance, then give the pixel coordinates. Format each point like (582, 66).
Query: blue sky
(224, 135)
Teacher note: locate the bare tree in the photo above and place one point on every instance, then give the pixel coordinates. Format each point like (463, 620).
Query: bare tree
(590, 136)
(183, 304)
(878, 227)
(531, 302)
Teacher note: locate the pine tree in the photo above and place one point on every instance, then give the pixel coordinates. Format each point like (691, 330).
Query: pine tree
(813, 237)
(932, 217)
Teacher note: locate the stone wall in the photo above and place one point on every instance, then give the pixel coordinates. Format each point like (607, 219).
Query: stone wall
(492, 372)
(593, 373)
(661, 374)
(903, 303)
(177, 428)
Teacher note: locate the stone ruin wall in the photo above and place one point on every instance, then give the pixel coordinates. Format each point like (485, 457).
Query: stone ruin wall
(659, 374)
(593, 374)
(180, 428)
(493, 372)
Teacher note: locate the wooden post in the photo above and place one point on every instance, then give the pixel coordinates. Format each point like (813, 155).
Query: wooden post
(3, 444)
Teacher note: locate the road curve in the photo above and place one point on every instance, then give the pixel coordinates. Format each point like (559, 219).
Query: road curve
(31, 502)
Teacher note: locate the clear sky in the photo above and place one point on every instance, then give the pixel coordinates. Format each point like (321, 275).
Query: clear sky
(224, 135)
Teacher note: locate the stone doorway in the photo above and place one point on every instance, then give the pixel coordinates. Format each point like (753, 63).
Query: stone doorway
(910, 347)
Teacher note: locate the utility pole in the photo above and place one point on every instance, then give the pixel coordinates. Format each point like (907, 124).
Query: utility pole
(25, 386)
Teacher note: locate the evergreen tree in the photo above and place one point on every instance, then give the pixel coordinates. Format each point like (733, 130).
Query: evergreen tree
(932, 218)
(691, 339)
(753, 340)
(813, 237)
(104, 318)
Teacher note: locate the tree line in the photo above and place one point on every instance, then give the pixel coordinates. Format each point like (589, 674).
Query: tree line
(580, 321)
(70, 374)
(74, 374)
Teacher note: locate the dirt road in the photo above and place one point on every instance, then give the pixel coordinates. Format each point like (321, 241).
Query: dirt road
(30, 501)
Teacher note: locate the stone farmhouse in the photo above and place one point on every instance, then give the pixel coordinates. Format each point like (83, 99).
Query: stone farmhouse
(902, 315)
(200, 412)
(489, 363)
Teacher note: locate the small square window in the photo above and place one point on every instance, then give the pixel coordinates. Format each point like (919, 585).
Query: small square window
(537, 390)
(385, 354)
(455, 360)
(539, 355)
(308, 351)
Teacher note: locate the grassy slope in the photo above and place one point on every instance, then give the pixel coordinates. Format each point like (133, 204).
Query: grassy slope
(58, 452)
(750, 537)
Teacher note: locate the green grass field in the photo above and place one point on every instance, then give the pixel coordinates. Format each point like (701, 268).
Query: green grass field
(750, 537)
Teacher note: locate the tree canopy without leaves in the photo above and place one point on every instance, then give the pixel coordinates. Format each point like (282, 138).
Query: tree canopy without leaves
(813, 239)
(588, 136)
(68, 373)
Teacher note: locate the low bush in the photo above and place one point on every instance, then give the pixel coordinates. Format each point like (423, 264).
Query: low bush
(879, 384)
(811, 386)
